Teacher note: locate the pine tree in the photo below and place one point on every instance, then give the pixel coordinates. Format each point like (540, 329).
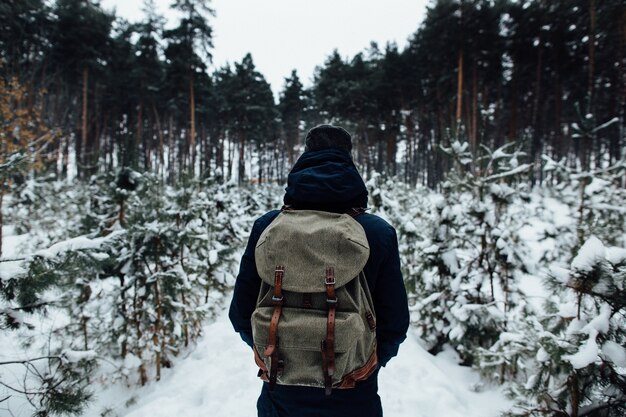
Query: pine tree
(567, 360)
(292, 103)
(475, 257)
(78, 27)
(188, 48)
(254, 114)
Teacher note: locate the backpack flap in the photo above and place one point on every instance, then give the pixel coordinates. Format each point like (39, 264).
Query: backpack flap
(298, 239)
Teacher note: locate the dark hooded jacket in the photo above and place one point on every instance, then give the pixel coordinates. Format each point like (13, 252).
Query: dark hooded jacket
(328, 180)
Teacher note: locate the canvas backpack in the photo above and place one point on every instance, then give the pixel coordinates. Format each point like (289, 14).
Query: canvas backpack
(314, 322)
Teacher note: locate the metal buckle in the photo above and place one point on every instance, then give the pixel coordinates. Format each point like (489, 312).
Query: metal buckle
(274, 298)
(331, 281)
(331, 300)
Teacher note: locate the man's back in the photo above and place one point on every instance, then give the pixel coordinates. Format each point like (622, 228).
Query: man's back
(326, 179)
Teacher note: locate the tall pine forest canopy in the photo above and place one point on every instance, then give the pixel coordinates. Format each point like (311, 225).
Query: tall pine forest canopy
(548, 76)
(132, 169)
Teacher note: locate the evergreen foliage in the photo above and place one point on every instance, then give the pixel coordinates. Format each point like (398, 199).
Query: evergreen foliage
(134, 223)
(474, 256)
(548, 76)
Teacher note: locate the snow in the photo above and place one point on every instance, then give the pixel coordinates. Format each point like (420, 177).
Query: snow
(222, 382)
(586, 355)
(131, 361)
(568, 310)
(10, 270)
(77, 243)
(449, 259)
(542, 355)
(591, 252)
(615, 255)
(509, 173)
(561, 274)
(600, 323)
(74, 356)
(212, 257)
(615, 353)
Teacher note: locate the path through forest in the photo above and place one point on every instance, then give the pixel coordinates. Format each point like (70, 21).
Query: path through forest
(218, 379)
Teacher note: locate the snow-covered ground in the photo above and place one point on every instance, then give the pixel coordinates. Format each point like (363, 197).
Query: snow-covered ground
(218, 378)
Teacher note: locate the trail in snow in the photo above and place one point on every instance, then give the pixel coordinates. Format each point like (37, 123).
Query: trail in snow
(219, 379)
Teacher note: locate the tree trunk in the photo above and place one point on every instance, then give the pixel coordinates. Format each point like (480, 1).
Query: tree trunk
(192, 139)
(124, 345)
(231, 156)
(592, 51)
(392, 138)
(459, 91)
(170, 150)
(157, 337)
(157, 119)
(474, 121)
(242, 162)
(513, 105)
(83, 151)
(535, 151)
(139, 133)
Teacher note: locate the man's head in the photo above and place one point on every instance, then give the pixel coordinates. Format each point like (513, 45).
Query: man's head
(327, 136)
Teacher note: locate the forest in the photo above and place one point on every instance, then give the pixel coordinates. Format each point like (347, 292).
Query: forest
(548, 76)
(131, 173)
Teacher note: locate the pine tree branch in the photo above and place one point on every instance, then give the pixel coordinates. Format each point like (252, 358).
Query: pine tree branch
(32, 305)
(29, 360)
(17, 390)
(11, 259)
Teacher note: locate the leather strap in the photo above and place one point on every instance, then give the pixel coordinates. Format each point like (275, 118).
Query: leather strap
(277, 299)
(328, 345)
(360, 374)
(274, 369)
(272, 347)
(263, 371)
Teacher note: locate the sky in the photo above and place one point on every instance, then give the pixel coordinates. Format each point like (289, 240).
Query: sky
(283, 35)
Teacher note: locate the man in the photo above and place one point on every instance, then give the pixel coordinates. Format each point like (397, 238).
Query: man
(325, 178)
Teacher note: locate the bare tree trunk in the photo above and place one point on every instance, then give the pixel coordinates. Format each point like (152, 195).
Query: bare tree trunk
(83, 151)
(170, 150)
(459, 91)
(513, 115)
(535, 151)
(139, 133)
(157, 119)
(192, 139)
(474, 122)
(156, 337)
(242, 150)
(592, 49)
(231, 156)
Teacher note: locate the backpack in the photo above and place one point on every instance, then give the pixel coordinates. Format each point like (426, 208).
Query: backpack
(314, 323)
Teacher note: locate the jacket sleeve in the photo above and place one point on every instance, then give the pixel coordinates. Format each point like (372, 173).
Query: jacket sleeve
(247, 286)
(391, 304)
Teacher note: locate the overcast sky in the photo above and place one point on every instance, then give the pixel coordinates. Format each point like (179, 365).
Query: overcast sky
(283, 35)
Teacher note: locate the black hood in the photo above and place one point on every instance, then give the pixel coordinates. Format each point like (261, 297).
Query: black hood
(325, 180)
